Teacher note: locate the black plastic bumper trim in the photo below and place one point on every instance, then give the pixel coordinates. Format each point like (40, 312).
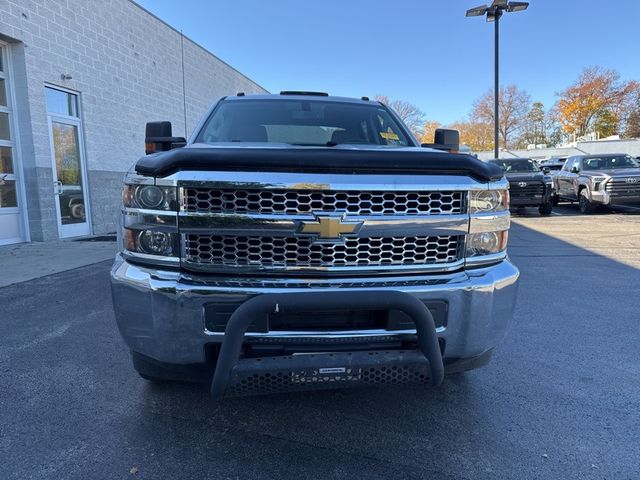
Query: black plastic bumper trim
(308, 302)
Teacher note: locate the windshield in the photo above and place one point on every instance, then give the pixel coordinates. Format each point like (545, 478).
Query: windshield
(302, 122)
(523, 165)
(609, 162)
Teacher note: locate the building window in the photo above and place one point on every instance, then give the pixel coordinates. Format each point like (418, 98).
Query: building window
(61, 102)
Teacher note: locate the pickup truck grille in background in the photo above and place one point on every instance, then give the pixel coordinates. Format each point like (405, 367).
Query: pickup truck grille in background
(618, 187)
(295, 202)
(300, 252)
(532, 189)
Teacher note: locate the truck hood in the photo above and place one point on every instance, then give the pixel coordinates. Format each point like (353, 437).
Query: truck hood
(525, 177)
(615, 172)
(339, 159)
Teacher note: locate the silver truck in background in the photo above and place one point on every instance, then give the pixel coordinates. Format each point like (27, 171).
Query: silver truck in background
(599, 180)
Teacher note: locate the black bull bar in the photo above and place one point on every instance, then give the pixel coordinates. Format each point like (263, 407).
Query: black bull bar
(235, 376)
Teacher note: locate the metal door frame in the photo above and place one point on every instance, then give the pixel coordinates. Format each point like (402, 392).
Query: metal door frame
(77, 229)
(16, 152)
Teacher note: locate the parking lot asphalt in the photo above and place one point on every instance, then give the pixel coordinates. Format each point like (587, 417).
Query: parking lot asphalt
(560, 400)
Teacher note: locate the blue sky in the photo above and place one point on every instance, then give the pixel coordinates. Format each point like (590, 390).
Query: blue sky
(424, 52)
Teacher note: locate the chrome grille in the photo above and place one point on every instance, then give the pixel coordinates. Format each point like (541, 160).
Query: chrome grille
(618, 187)
(300, 252)
(295, 202)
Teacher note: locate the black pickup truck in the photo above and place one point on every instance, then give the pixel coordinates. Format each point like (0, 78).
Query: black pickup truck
(529, 186)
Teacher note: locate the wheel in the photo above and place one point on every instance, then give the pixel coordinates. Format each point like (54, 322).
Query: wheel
(585, 205)
(159, 372)
(545, 208)
(77, 211)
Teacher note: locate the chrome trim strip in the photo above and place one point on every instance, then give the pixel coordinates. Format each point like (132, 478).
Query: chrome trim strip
(142, 219)
(483, 260)
(323, 181)
(347, 270)
(288, 225)
(490, 222)
(339, 334)
(151, 260)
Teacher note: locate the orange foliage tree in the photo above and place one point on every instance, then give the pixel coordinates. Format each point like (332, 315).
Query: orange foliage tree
(475, 134)
(597, 98)
(428, 131)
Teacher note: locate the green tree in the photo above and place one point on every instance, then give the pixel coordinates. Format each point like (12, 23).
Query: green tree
(606, 123)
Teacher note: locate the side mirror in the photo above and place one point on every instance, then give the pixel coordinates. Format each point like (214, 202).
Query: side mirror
(445, 139)
(158, 138)
(575, 169)
(546, 170)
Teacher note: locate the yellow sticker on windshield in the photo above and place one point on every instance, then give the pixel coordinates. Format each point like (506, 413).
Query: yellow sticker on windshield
(389, 136)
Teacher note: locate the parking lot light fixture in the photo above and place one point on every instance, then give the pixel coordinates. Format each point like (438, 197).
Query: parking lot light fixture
(493, 13)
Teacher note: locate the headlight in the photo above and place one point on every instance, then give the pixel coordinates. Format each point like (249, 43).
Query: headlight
(486, 243)
(151, 242)
(485, 201)
(597, 181)
(149, 197)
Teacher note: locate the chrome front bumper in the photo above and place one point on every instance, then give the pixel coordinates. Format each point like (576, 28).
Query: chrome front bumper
(161, 313)
(606, 198)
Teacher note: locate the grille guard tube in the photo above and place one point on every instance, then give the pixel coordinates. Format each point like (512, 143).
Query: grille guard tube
(308, 302)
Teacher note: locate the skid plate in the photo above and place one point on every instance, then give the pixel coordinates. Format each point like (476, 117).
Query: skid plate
(318, 371)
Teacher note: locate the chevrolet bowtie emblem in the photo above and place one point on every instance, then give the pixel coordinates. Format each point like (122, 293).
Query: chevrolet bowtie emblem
(329, 228)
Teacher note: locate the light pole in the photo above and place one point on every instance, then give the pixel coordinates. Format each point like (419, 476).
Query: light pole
(493, 13)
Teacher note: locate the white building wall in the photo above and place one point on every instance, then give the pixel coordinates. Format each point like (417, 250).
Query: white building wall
(126, 65)
(628, 146)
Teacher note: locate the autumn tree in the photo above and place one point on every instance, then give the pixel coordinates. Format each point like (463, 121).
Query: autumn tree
(606, 123)
(633, 125)
(477, 135)
(411, 115)
(534, 128)
(428, 131)
(595, 99)
(513, 109)
(632, 116)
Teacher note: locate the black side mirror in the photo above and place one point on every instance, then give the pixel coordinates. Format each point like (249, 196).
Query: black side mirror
(546, 170)
(575, 169)
(158, 138)
(445, 139)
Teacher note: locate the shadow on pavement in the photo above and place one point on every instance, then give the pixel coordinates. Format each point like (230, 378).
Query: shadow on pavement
(559, 400)
(571, 209)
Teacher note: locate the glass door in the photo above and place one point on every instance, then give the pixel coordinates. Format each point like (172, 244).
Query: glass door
(11, 220)
(68, 178)
(69, 171)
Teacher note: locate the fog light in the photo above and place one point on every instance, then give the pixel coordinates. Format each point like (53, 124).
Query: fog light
(486, 243)
(154, 243)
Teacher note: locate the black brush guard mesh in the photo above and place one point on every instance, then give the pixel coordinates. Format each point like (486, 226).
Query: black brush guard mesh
(234, 376)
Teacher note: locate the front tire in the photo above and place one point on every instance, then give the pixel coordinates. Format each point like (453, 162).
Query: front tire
(546, 208)
(585, 205)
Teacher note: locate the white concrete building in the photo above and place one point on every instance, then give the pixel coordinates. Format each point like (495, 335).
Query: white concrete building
(629, 146)
(78, 81)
